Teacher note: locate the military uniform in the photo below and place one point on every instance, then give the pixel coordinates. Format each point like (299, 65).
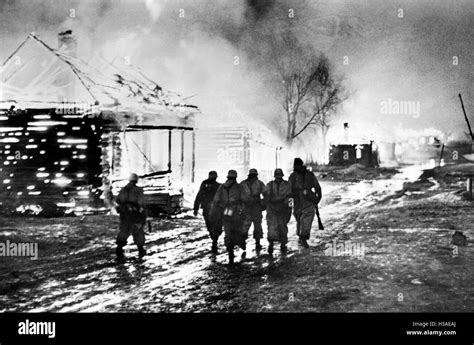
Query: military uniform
(277, 195)
(227, 205)
(204, 199)
(252, 189)
(306, 192)
(132, 217)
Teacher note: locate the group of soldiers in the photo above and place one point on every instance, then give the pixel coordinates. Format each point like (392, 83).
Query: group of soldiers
(233, 207)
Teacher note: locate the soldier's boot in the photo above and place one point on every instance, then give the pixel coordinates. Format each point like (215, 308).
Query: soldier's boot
(231, 256)
(214, 246)
(141, 252)
(258, 246)
(304, 243)
(119, 253)
(283, 248)
(270, 248)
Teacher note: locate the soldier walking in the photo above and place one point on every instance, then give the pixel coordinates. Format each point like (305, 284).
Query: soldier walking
(131, 208)
(227, 205)
(277, 197)
(204, 198)
(306, 191)
(252, 189)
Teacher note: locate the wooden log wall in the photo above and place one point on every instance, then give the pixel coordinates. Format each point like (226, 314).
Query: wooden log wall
(49, 159)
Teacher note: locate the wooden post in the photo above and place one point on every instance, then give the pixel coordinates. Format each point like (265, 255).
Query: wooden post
(466, 118)
(144, 139)
(169, 158)
(169, 150)
(441, 155)
(276, 157)
(193, 167)
(107, 167)
(370, 153)
(182, 160)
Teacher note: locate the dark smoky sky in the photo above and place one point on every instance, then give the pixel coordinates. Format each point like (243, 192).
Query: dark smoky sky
(402, 59)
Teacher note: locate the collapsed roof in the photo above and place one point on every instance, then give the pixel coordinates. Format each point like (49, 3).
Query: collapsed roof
(38, 76)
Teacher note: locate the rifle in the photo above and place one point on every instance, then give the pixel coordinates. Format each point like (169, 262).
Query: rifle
(320, 223)
(313, 198)
(466, 118)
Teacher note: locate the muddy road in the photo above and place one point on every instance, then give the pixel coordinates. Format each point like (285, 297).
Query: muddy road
(377, 253)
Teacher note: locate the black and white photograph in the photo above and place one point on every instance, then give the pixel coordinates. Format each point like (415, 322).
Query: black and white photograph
(194, 157)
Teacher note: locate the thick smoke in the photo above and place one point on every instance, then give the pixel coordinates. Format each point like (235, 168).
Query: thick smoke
(192, 46)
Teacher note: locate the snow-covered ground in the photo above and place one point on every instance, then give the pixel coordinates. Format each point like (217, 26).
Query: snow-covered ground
(380, 251)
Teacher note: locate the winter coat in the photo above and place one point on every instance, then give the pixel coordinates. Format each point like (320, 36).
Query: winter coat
(131, 195)
(206, 194)
(131, 203)
(228, 198)
(305, 189)
(278, 212)
(252, 189)
(277, 196)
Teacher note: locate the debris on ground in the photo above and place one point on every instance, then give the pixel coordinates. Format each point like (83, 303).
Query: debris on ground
(355, 172)
(463, 169)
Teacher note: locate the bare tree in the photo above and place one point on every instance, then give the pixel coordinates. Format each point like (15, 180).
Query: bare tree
(297, 74)
(326, 96)
(310, 92)
(304, 82)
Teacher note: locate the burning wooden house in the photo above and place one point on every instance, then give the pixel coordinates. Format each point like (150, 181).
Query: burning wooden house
(71, 132)
(348, 154)
(352, 149)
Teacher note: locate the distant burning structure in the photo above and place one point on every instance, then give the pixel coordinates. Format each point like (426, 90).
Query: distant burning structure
(349, 152)
(71, 131)
(345, 154)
